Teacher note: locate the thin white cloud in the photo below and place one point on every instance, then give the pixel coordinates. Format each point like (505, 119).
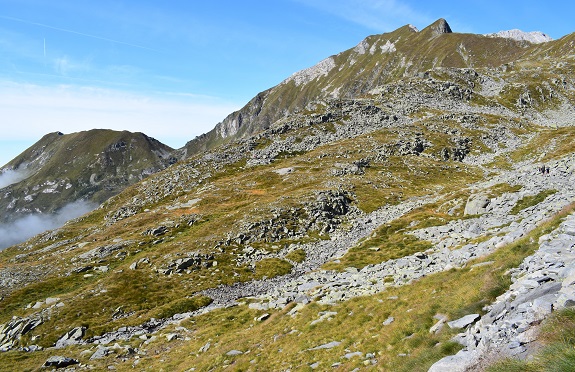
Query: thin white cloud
(379, 15)
(30, 111)
(19, 20)
(65, 65)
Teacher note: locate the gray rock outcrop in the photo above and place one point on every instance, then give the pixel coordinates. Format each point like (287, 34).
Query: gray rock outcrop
(543, 283)
(477, 204)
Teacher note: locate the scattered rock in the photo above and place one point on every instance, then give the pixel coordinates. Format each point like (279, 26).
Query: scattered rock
(477, 204)
(234, 353)
(329, 345)
(101, 352)
(464, 322)
(388, 321)
(205, 348)
(352, 355)
(262, 317)
(60, 362)
(284, 171)
(72, 337)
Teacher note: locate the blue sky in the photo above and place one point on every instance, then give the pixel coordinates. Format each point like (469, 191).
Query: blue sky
(174, 69)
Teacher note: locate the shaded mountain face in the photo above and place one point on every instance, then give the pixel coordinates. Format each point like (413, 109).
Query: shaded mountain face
(87, 166)
(391, 189)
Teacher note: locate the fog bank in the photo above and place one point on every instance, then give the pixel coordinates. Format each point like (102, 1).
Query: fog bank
(10, 176)
(26, 227)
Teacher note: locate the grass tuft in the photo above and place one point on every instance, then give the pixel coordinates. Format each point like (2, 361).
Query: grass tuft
(531, 200)
(183, 305)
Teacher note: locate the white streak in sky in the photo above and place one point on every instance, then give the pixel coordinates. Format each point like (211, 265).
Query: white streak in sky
(77, 33)
(380, 15)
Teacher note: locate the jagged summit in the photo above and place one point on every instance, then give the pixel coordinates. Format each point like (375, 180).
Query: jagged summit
(535, 37)
(439, 27)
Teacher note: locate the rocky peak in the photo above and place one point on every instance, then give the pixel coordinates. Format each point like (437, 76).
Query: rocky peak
(535, 37)
(439, 27)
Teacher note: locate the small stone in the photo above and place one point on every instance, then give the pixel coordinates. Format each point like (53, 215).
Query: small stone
(263, 317)
(205, 348)
(388, 321)
(38, 305)
(351, 355)
(52, 300)
(234, 353)
(101, 352)
(437, 326)
(528, 283)
(172, 336)
(329, 345)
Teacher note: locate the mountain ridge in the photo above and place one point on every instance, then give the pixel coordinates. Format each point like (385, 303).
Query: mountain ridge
(536, 37)
(88, 166)
(254, 116)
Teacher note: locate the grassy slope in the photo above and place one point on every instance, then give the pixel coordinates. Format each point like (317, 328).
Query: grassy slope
(144, 294)
(281, 341)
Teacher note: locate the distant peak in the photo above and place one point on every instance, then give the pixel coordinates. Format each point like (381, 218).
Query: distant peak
(439, 27)
(535, 37)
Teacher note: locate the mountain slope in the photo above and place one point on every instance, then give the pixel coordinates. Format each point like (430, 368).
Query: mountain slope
(347, 234)
(90, 166)
(377, 60)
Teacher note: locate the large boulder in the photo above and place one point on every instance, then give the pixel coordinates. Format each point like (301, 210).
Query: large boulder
(477, 204)
(72, 337)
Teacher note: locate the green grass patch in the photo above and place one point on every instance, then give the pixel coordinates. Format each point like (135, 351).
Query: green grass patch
(39, 291)
(531, 200)
(297, 255)
(271, 267)
(180, 306)
(502, 188)
(388, 242)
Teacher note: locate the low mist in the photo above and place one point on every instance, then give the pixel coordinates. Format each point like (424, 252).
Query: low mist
(26, 227)
(10, 176)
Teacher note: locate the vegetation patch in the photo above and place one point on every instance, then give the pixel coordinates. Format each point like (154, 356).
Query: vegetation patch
(271, 267)
(183, 305)
(297, 255)
(388, 242)
(530, 201)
